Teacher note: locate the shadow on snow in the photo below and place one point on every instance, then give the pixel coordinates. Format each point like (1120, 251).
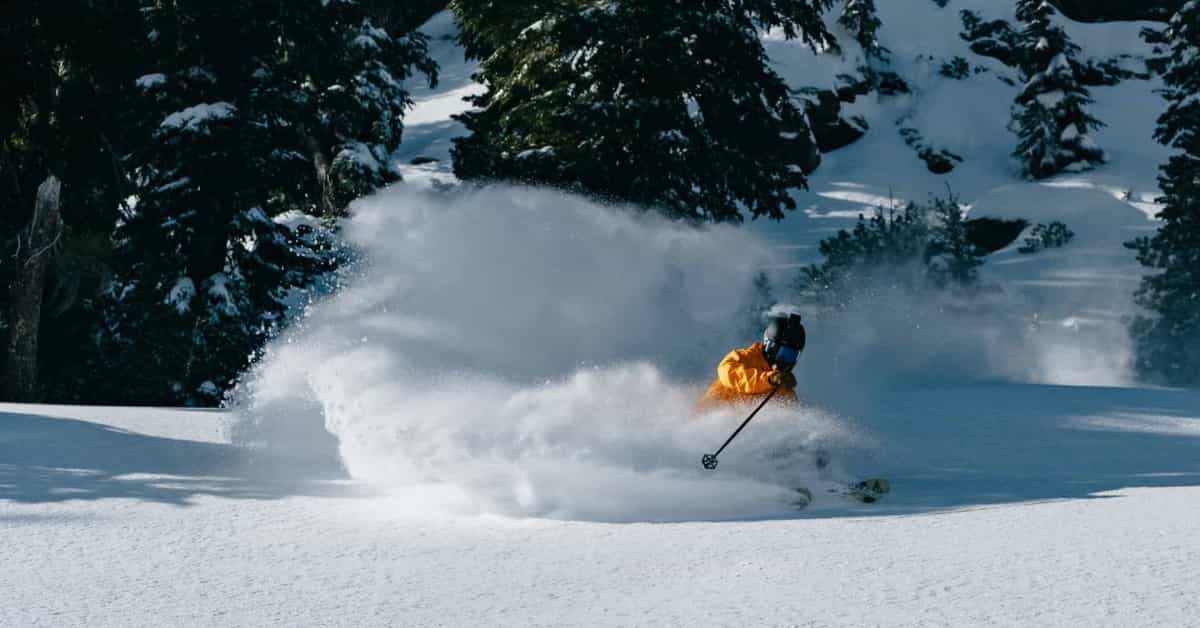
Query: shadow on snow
(943, 449)
(985, 445)
(45, 459)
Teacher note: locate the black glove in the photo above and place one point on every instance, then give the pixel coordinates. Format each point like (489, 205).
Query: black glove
(782, 379)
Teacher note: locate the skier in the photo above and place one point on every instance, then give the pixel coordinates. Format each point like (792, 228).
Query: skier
(751, 373)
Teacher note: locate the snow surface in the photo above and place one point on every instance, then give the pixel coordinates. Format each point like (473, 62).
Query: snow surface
(491, 422)
(1012, 505)
(148, 81)
(194, 117)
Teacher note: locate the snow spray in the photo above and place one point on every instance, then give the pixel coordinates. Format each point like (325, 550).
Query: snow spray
(538, 354)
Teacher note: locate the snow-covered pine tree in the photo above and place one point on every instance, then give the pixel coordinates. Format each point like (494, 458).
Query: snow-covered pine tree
(1168, 341)
(291, 110)
(666, 104)
(920, 247)
(860, 20)
(348, 72)
(1050, 114)
(890, 242)
(484, 25)
(202, 265)
(952, 258)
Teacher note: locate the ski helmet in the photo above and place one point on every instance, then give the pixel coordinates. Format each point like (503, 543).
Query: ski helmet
(783, 341)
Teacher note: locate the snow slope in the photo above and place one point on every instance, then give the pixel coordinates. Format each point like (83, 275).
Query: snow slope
(491, 423)
(1014, 505)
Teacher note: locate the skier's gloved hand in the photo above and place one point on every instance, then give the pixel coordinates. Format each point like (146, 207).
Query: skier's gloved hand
(782, 379)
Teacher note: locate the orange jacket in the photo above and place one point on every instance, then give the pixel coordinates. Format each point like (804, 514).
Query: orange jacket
(742, 377)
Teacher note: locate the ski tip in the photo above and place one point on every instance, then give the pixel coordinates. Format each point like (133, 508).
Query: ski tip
(803, 497)
(877, 485)
(869, 491)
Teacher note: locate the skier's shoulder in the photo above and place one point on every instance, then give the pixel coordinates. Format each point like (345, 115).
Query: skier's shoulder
(745, 353)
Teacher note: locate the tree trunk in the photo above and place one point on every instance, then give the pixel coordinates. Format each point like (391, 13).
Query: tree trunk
(321, 165)
(35, 245)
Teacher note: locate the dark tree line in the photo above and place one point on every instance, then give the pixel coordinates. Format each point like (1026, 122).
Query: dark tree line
(171, 171)
(1168, 337)
(199, 152)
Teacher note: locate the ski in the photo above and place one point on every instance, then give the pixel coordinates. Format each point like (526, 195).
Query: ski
(802, 498)
(863, 491)
(867, 491)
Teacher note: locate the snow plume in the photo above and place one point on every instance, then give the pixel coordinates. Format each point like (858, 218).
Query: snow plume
(901, 337)
(534, 353)
(1056, 317)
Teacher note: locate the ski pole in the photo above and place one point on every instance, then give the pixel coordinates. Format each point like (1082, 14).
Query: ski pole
(710, 460)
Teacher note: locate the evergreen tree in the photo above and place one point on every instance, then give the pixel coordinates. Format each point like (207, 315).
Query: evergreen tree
(1050, 114)
(860, 20)
(669, 105)
(485, 25)
(346, 74)
(246, 103)
(952, 257)
(888, 242)
(919, 247)
(1168, 341)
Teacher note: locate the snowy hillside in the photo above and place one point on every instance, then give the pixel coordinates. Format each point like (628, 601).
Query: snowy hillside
(492, 421)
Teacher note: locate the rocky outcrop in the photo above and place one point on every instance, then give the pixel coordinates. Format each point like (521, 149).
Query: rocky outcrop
(831, 130)
(1117, 10)
(992, 234)
(938, 161)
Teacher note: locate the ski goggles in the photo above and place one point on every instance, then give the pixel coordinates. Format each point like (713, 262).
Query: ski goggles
(785, 356)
